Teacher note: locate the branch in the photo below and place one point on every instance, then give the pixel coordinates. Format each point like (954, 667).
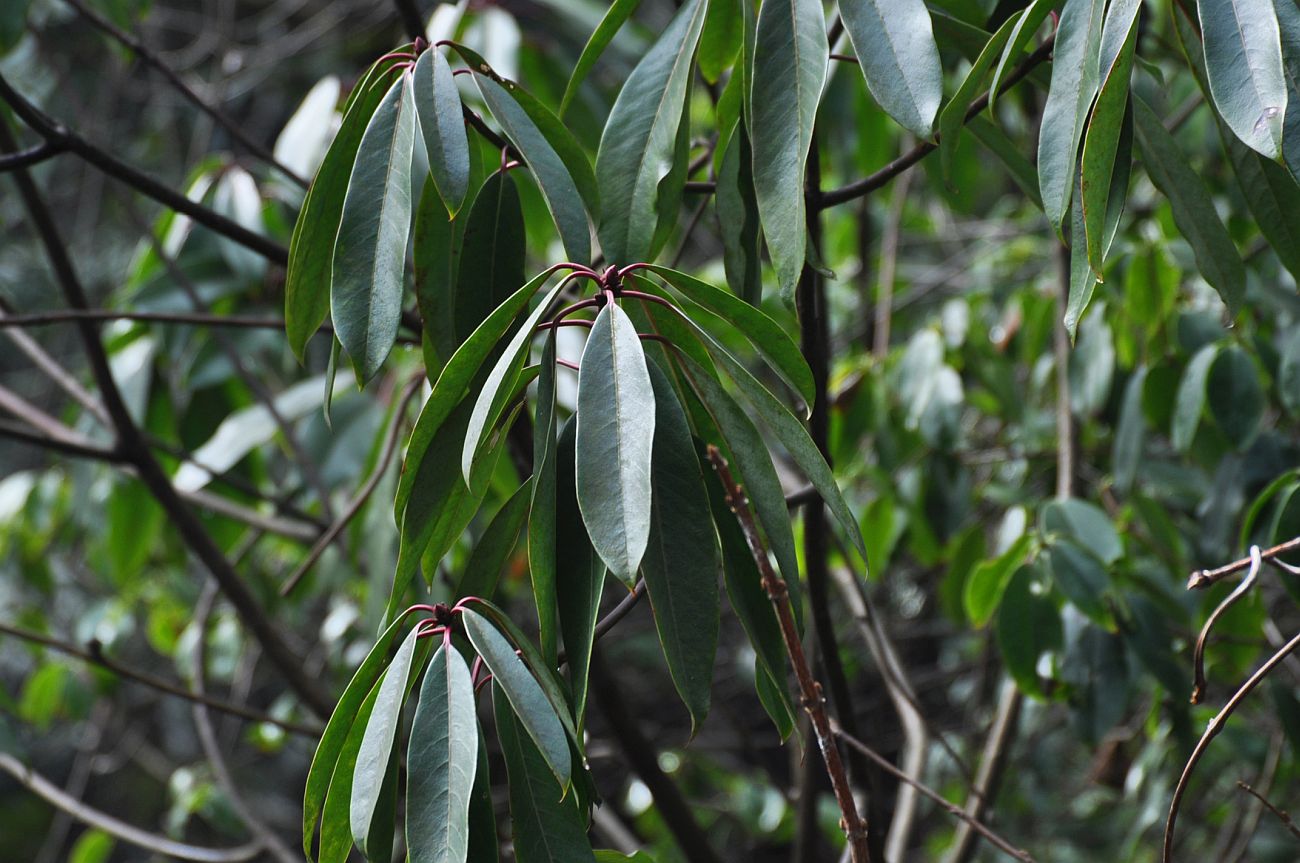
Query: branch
(32, 156)
(1280, 813)
(59, 135)
(1205, 577)
(948, 806)
(609, 621)
(1198, 653)
(149, 58)
(1212, 730)
(57, 797)
(95, 656)
(810, 690)
(74, 449)
(63, 316)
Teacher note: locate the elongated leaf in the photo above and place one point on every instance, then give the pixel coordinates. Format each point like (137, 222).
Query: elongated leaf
(377, 744)
(1082, 578)
(986, 583)
(491, 254)
(1086, 523)
(738, 224)
(1101, 145)
(720, 40)
(311, 247)
(545, 822)
(766, 335)
(1235, 396)
(336, 730)
(483, 840)
(615, 17)
(1288, 21)
(370, 253)
(997, 142)
(435, 241)
(335, 830)
(530, 704)
(1273, 198)
(615, 435)
(894, 41)
(1194, 213)
(789, 68)
(1189, 404)
(437, 103)
(1026, 26)
(441, 760)
(953, 116)
(495, 545)
(542, 566)
(1126, 454)
(1083, 280)
(1028, 625)
(639, 189)
(1074, 85)
(558, 186)
(681, 561)
(1243, 60)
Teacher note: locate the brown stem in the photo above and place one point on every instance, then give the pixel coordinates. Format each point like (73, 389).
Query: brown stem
(1198, 653)
(1205, 577)
(1280, 813)
(809, 689)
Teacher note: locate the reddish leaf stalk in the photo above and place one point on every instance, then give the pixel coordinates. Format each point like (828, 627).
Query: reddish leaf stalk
(810, 690)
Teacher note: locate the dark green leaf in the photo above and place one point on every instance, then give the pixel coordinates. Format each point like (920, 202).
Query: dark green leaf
(615, 435)
(1026, 26)
(1235, 396)
(335, 830)
(441, 761)
(986, 583)
(495, 546)
(894, 41)
(1243, 60)
(541, 514)
(775, 700)
(953, 116)
(1028, 626)
(996, 141)
(437, 104)
(738, 223)
(1273, 198)
(491, 254)
(1190, 402)
(639, 188)
(1083, 279)
(526, 697)
(370, 252)
(1126, 454)
(483, 843)
(1288, 372)
(1085, 523)
(1288, 21)
(617, 14)
(789, 67)
(721, 38)
(1081, 577)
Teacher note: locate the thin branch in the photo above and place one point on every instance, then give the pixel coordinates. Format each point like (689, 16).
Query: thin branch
(881, 177)
(357, 502)
(75, 449)
(31, 156)
(948, 806)
(149, 58)
(57, 797)
(63, 316)
(1198, 653)
(1203, 578)
(61, 377)
(1280, 813)
(95, 656)
(59, 135)
(810, 690)
(1212, 731)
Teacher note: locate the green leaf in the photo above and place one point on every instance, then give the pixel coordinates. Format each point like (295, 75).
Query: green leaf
(542, 567)
(438, 108)
(775, 700)
(335, 831)
(639, 188)
(615, 17)
(559, 187)
(1235, 396)
(1083, 279)
(953, 116)
(1194, 213)
(1288, 373)
(1288, 21)
(1243, 60)
(789, 68)
(370, 254)
(1189, 404)
(1086, 523)
(987, 582)
(546, 824)
(311, 248)
(765, 334)
(1026, 26)
(526, 697)
(1082, 578)
(1126, 453)
(997, 142)
(441, 760)
(720, 39)
(681, 560)
(894, 41)
(491, 254)
(738, 224)
(1074, 84)
(1273, 198)
(377, 743)
(336, 730)
(615, 436)
(435, 241)
(1028, 626)
(483, 843)
(1101, 145)
(495, 546)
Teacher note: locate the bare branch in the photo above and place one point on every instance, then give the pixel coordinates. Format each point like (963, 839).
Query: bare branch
(1280, 813)
(31, 156)
(1203, 578)
(1198, 654)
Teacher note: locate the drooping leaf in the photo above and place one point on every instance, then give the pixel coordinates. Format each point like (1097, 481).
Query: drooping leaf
(542, 567)
(789, 68)
(1026, 26)
(311, 248)
(987, 582)
(1083, 279)
(639, 188)
(1194, 213)
(1273, 198)
(953, 116)
(494, 547)
(774, 698)
(1126, 455)
(617, 14)
(1288, 21)
(1082, 578)
(1189, 404)
(370, 253)
(1235, 396)
(894, 42)
(1074, 85)
(721, 38)
(681, 561)
(1243, 61)
(997, 142)
(491, 254)
(546, 824)
(615, 435)
(483, 842)
(437, 104)
(441, 760)
(738, 224)
(335, 829)
(525, 695)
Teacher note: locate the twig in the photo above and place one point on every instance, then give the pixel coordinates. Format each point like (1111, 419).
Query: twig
(948, 806)
(609, 621)
(55, 796)
(63, 316)
(75, 449)
(354, 506)
(1280, 813)
(1203, 578)
(1198, 654)
(888, 267)
(95, 656)
(1212, 731)
(149, 58)
(31, 156)
(810, 690)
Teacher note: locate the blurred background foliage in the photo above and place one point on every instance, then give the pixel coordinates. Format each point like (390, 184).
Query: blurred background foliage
(945, 428)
